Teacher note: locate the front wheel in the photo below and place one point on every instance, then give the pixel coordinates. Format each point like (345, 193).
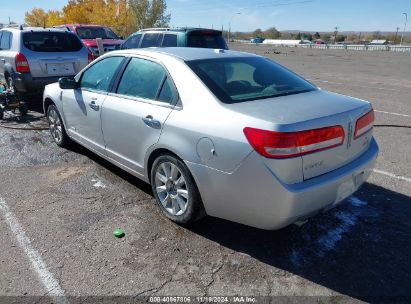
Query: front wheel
(175, 190)
(56, 127)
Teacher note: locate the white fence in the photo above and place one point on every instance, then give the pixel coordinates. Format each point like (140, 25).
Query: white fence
(389, 48)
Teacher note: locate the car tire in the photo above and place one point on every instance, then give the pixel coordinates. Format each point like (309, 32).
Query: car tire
(23, 108)
(175, 190)
(56, 126)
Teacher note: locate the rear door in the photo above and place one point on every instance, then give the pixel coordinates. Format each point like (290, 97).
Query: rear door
(82, 106)
(133, 116)
(54, 53)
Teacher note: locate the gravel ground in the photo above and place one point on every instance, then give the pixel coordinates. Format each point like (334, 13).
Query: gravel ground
(68, 202)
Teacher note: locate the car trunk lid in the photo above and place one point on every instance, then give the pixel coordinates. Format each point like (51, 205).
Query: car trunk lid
(313, 111)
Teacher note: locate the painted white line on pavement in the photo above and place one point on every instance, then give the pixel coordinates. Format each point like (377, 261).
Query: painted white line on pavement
(399, 177)
(391, 113)
(46, 277)
(353, 85)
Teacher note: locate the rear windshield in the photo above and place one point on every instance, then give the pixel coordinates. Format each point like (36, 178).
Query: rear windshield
(95, 32)
(235, 80)
(205, 40)
(52, 42)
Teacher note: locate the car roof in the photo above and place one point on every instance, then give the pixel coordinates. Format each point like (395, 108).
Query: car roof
(81, 25)
(178, 29)
(185, 53)
(32, 29)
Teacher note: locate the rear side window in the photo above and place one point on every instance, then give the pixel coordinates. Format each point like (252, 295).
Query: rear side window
(150, 40)
(5, 42)
(100, 75)
(211, 41)
(132, 42)
(169, 40)
(52, 42)
(142, 79)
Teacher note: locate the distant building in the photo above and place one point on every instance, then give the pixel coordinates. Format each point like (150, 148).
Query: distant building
(379, 42)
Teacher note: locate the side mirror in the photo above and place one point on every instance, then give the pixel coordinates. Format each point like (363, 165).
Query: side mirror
(67, 83)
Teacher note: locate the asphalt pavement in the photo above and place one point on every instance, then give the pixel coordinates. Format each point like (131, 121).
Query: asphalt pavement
(58, 210)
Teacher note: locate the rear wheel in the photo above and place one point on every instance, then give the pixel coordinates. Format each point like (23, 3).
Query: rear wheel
(56, 127)
(23, 108)
(175, 190)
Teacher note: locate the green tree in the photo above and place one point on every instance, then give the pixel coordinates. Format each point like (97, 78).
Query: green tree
(258, 33)
(271, 33)
(150, 13)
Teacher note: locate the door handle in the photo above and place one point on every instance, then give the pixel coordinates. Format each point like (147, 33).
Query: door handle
(94, 106)
(4, 60)
(151, 122)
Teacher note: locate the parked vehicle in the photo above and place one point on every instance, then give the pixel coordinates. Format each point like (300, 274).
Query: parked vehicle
(223, 133)
(257, 40)
(31, 58)
(178, 37)
(88, 34)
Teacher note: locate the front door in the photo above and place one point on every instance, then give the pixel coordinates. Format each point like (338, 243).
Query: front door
(82, 106)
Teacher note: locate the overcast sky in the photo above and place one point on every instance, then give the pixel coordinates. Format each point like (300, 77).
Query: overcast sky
(246, 15)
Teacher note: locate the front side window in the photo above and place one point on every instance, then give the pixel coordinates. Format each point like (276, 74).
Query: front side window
(150, 40)
(132, 42)
(235, 80)
(145, 79)
(100, 75)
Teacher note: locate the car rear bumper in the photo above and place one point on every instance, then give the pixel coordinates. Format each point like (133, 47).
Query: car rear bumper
(25, 83)
(253, 195)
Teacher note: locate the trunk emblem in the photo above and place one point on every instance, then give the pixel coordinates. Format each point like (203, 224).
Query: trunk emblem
(349, 135)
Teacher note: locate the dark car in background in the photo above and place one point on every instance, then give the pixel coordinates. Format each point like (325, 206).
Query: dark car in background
(31, 58)
(176, 37)
(88, 34)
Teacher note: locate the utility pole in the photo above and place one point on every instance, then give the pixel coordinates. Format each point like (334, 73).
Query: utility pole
(229, 25)
(335, 34)
(396, 34)
(405, 25)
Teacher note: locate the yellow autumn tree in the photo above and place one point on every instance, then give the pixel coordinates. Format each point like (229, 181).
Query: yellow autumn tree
(36, 17)
(123, 16)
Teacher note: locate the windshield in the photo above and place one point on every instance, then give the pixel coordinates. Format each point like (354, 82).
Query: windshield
(52, 42)
(95, 32)
(235, 80)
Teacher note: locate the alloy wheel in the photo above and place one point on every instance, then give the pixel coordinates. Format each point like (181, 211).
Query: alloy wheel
(171, 188)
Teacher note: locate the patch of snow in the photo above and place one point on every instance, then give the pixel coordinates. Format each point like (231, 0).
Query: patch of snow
(98, 183)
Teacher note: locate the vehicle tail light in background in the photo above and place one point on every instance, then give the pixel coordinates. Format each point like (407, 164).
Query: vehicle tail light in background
(364, 124)
(22, 65)
(291, 144)
(90, 56)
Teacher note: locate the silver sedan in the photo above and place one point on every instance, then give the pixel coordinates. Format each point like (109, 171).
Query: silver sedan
(218, 132)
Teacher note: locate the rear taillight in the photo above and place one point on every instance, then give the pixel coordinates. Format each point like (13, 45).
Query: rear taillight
(364, 124)
(22, 65)
(291, 144)
(90, 56)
